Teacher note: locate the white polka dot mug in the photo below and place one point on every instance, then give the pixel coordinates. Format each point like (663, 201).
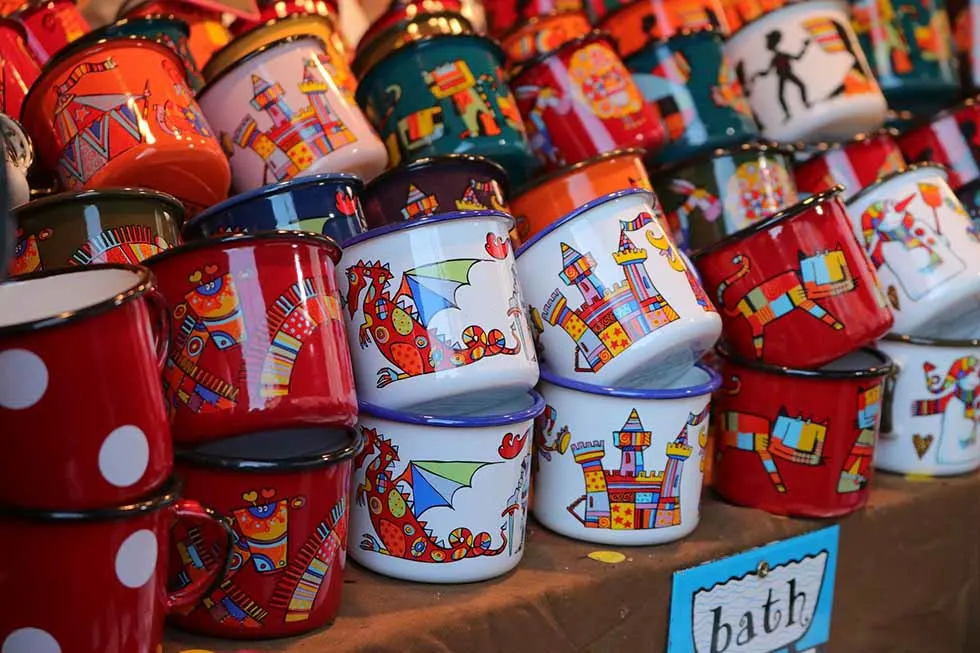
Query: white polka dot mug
(110, 567)
(81, 402)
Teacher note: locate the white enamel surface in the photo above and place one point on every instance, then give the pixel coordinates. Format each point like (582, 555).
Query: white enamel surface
(559, 483)
(136, 559)
(18, 190)
(937, 293)
(933, 431)
(30, 640)
(821, 72)
(227, 103)
(661, 355)
(36, 299)
(23, 379)
(495, 501)
(492, 300)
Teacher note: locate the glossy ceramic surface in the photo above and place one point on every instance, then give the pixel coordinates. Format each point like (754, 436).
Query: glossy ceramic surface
(430, 358)
(853, 164)
(20, 67)
(807, 450)
(637, 25)
(802, 69)
(285, 496)
(503, 15)
(950, 138)
(441, 184)
(118, 559)
(447, 95)
(478, 534)
(51, 25)
(173, 33)
(208, 33)
(107, 440)
(281, 114)
(324, 204)
(171, 148)
(91, 227)
(925, 250)
(910, 49)
(612, 301)
(407, 31)
(713, 196)
(796, 289)
(556, 194)
(258, 341)
(691, 85)
(542, 34)
(18, 159)
(622, 467)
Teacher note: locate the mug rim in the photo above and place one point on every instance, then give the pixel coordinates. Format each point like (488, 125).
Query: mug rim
(540, 18)
(932, 342)
(17, 27)
(416, 164)
(588, 206)
(821, 147)
(787, 5)
(423, 419)
(709, 386)
(365, 59)
(144, 283)
(159, 499)
(895, 174)
(767, 223)
(209, 84)
(405, 225)
(264, 192)
(887, 364)
(324, 458)
(28, 208)
(754, 144)
(577, 167)
(589, 37)
(305, 237)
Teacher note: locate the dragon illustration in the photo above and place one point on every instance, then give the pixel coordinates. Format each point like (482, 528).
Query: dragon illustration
(397, 503)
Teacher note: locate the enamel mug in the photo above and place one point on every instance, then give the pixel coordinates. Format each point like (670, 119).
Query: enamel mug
(280, 114)
(637, 25)
(803, 71)
(443, 497)
(51, 25)
(503, 15)
(924, 248)
(622, 466)
(612, 301)
(400, 13)
(408, 31)
(950, 138)
(20, 67)
(208, 32)
(542, 34)
(853, 164)
(171, 32)
(434, 312)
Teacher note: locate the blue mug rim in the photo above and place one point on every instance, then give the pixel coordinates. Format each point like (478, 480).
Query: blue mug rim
(712, 384)
(504, 419)
(423, 222)
(568, 217)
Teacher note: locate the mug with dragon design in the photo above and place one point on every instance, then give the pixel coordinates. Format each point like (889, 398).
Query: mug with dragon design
(257, 340)
(407, 519)
(806, 450)
(284, 495)
(929, 423)
(796, 289)
(853, 164)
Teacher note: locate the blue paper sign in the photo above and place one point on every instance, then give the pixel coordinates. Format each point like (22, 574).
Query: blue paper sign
(774, 599)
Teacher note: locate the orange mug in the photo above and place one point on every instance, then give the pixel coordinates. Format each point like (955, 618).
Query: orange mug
(636, 25)
(548, 198)
(208, 33)
(542, 34)
(119, 113)
(741, 12)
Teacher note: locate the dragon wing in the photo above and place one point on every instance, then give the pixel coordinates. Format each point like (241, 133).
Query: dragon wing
(433, 287)
(434, 483)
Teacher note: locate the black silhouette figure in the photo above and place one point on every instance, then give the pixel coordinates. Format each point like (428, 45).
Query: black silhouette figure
(856, 68)
(782, 65)
(648, 24)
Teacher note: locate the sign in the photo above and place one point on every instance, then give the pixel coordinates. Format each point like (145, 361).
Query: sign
(774, 599)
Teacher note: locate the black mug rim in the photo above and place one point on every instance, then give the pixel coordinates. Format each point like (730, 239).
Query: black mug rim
(159, 499)
(884, 369)
(324, 458)
(92, 195)
(305, 237)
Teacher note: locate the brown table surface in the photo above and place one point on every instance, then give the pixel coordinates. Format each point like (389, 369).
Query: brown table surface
(908, 579)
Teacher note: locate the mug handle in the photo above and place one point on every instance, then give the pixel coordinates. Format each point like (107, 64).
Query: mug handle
(162, 325)
(888, 399)
(192, 511)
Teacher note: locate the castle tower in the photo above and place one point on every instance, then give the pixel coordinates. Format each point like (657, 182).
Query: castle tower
(270, 98)
(579, 272)
(418, 204)
(632, 439)
(589, 455)
(632, 258)
(669, 506)
(315, 87)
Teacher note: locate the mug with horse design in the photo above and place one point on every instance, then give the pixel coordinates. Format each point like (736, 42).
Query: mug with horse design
(796, 289)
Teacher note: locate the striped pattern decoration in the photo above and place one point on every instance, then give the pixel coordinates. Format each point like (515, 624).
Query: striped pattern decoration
(824, 32)
(230, 603)
(125, 244)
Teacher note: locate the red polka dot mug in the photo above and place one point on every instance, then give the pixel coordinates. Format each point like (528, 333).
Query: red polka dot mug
(81, 404)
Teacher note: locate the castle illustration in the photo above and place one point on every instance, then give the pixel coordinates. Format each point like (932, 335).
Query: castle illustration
(611, 319)
(630, 498)
(418, 204)
(297, 138)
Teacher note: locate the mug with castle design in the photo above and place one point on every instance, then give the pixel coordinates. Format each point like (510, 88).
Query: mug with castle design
(622, 466)
(797, 288)
(806, 450)
(929, 423)
(802, 69)
(925, 250)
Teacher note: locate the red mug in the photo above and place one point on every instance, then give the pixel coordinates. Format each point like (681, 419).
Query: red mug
(51, 25)
(258, 338)
(81, 402)
(796, 289)
(854, 164)
(284, 494)
(109, 566)
(952, 138)
(798, 442)
(18, 67)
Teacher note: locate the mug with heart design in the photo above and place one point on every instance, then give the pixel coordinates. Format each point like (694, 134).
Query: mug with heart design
(930, 415)
(116, 560)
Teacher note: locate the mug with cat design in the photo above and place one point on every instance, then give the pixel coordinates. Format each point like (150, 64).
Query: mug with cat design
(924, 248)
(930, 413)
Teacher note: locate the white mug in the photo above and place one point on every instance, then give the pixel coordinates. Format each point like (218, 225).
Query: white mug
(931, 410)
(924, 248)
